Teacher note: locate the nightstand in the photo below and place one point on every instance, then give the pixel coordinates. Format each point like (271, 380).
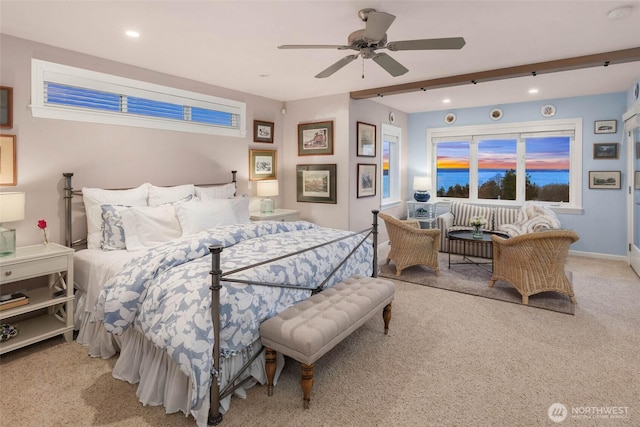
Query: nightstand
(45, 315)
(425, 212)
(277, 215)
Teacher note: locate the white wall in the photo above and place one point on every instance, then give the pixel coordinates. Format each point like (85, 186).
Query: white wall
(376, 114)
(328, 108)
(114, 156)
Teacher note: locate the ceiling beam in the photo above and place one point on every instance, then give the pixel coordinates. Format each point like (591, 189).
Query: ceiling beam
(567, 64)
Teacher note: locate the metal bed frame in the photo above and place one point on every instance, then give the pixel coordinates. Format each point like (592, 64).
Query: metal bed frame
(216, 394)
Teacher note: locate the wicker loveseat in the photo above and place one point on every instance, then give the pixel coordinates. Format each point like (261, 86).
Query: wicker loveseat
(530, 217)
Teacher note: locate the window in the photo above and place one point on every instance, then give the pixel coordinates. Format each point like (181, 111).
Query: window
(512, 163)
(391, 138)
(70, 93)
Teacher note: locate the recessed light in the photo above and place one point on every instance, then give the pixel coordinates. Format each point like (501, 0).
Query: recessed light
(132, 34)
(619, 12)
(533, 90)
(446, 101)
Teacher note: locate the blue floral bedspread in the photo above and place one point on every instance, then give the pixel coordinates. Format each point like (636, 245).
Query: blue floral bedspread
(165, 293)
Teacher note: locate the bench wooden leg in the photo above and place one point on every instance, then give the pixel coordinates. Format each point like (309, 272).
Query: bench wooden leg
(270, 367)
(386, 315)
(307, 384)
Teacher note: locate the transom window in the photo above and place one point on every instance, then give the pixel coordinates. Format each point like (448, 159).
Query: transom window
(510, 163)
(75, 94)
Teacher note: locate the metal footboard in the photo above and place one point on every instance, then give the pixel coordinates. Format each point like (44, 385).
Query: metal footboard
(216, 395)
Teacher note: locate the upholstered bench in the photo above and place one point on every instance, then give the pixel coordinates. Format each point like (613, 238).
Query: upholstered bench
(310, 328)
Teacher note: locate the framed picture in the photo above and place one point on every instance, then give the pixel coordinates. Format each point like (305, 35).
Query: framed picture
(262, 165)
(366, 140)
(6, 107)
(637, 150)
(366, 180)
(8, 175)
(605, 151)
(637, 180)
(315, 138)
(316, 183)
(609, 180)
(605, 126)
(262, 131)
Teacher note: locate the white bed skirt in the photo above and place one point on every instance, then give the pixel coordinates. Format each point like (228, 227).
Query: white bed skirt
(160, 381)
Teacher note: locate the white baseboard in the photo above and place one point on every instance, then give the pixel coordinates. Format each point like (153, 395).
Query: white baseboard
(599, 255)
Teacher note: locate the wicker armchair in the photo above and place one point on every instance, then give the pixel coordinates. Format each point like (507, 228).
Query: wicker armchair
(411, 245)
(534, 262)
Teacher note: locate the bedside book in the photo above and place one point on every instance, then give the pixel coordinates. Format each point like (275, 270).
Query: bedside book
(13, 300)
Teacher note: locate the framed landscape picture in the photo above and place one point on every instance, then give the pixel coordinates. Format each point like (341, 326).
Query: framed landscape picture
(605, 126)
(6, 107)
(315, 138)
(366, 140)
(316, 183)
(605, 151)
(607, 180)
(262, 131)
(262, 165)
(8, 175)
(366, 180)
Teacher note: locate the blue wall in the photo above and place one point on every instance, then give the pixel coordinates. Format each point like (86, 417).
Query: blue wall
(603, 224)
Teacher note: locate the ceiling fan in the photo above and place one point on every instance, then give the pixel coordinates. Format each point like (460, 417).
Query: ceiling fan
(374, 37)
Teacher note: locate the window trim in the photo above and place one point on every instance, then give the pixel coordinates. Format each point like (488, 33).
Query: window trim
(395, 191)
(42, 71)
(575, 154)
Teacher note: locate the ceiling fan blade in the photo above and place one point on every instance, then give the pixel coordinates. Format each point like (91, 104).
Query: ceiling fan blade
(392, 66)
(377, 25)
(427, 44)
(335, 67)
(314, 46)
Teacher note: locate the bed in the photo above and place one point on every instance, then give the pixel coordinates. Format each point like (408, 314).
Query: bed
(146, 293)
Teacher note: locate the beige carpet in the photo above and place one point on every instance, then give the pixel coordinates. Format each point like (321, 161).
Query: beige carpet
(474, 280)
(450, 360)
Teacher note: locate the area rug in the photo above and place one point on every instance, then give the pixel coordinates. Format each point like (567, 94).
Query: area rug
(474, 280)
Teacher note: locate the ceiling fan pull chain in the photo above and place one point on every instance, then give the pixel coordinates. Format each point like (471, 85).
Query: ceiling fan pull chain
(363, 67)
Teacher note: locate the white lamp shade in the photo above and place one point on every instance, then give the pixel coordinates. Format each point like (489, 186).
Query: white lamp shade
(267, 188)
(11, 206)
(422, 183)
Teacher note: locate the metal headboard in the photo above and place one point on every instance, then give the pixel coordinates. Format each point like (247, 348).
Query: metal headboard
(69, 193)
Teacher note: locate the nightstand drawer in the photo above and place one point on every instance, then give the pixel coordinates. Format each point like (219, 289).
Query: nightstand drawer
(26, 270)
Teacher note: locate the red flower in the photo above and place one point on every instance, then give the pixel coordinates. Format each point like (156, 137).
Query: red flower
(42, 225)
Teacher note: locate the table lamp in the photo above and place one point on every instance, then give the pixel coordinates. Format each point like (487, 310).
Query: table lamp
(267, 189)
(421, 187)
(11, 209)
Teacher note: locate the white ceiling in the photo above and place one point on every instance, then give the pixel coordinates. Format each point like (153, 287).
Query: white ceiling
(233, 44)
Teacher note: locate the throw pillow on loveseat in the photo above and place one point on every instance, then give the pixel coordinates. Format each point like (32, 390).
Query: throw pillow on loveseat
(530, 217)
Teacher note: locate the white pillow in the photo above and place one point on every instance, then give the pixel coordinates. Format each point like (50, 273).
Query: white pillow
(240, 206)
(94, 198)
(196, 216)
(160, 195)
(225, 191)
(146, 227)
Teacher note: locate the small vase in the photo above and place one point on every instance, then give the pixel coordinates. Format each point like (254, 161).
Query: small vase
(46, 239)
(477, 232)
